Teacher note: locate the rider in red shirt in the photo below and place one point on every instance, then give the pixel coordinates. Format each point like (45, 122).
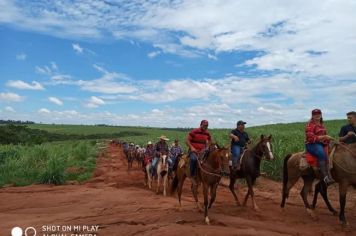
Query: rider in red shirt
(198, 140)
(315, 141)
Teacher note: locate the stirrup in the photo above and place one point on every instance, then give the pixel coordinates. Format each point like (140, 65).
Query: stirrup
(328, 180)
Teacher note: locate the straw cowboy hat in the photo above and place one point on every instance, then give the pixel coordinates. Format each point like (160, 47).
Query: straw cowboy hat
(163, 137)
(149, 143)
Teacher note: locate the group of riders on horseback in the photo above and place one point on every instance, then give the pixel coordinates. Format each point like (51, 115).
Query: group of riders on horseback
(206, 160)
(199, 139)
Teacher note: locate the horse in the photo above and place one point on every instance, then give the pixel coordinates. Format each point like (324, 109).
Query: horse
(343, 172)
(162, 172)
(139, 156)
(250, 168)
(210, 171)
(148, 174)
(130, 157)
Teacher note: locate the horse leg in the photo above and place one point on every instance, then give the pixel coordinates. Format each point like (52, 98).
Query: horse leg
(180, 189)
(308, 182)
(164, 185)
(342, 199)
(232, 189)
(252, 194)
(213, 194)
(323, 189)
(206, 192)
(290, 177)
(194, 188)
(249, 183)
(148, 175)
(158, 180)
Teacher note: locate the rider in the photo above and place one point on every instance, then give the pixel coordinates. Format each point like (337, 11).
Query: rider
(161, 147)
(174, 152)
(239, 138)
(348, 132)
(149, 153)
(315, 141)
(198, 140)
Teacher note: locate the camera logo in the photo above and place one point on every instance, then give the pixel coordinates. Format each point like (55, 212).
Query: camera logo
(29, 231)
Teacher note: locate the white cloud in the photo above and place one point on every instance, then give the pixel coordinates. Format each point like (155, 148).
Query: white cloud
(153, 54)
(21, 56)
(44, 70)
(213, 57)
(55, 101)
(44, 111)
(19, 84)
(9, 109)
(10, 97)
(289, 35)
(77, 48)
(95, 102)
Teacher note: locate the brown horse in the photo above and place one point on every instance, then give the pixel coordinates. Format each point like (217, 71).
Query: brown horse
(209, 173)
(250, 167)
(343, 171)
(130, 158)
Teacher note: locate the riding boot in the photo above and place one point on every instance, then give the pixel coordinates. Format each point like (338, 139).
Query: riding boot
(325, 173)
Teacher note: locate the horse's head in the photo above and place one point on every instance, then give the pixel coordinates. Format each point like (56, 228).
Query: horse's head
(164, 159)
(265, 147)
(222, 156)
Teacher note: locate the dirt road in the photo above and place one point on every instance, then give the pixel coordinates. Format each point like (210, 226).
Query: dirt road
(116, 201)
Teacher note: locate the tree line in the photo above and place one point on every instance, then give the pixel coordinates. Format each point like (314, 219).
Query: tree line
(21, 134)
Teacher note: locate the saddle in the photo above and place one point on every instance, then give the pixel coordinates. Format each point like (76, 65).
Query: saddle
(308, 160)
(146, 160)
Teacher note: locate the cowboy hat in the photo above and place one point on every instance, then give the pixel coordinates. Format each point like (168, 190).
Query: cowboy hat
(163, 137)
(149, 143)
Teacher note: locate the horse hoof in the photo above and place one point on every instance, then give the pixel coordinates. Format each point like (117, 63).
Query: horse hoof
(345, 226)
(312, 214)
(207, 221)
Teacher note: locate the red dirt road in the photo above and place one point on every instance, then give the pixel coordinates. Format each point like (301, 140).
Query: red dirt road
(117, 202)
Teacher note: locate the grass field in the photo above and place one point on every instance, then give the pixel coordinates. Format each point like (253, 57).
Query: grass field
(48, 162)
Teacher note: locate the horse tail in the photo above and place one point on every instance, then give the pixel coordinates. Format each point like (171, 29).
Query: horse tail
(285, 180)
(174, 184)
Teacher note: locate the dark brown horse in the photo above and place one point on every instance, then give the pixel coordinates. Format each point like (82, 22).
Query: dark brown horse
(250, 167)
(209, 173)
(343, 171)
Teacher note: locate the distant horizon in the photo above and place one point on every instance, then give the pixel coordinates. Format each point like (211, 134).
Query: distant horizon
(140, 126)
(174, 63)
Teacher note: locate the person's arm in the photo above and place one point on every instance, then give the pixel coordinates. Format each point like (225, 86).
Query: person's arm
(309, 133)
(189, 144)
(343, 135)
(234, 137)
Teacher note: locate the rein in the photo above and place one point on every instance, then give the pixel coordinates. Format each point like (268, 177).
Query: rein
(208, 172)
(347, 148)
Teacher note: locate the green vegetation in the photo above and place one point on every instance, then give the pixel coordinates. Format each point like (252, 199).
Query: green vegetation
(51, 163)
(36, 159)
(21, 134)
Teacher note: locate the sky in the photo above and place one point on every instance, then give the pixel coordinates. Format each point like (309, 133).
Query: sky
(173, 63)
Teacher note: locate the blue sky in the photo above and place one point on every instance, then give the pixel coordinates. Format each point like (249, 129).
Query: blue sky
(173, 63)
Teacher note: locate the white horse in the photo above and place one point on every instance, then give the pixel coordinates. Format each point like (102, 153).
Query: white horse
(148, 175)
(162, 172)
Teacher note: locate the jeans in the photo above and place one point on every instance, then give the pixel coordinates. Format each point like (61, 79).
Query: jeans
(171, 160)
(193, 163)
(317, 150)
(236, 154)
(154, 165)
